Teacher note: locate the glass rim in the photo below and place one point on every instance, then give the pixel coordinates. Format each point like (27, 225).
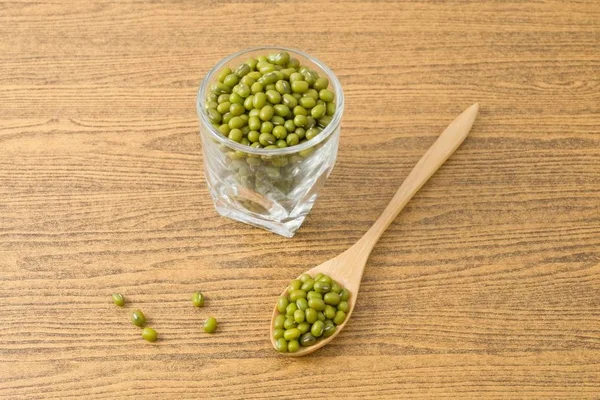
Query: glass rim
(323, 135)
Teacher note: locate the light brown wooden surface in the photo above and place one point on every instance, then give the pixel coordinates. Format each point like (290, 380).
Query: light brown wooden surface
(486, 286)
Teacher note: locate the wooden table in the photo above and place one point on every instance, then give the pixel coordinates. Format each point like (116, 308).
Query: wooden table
(486, 286)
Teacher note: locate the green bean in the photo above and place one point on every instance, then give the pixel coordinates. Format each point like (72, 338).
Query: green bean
(307, 152)
(266, 139)
(277, 120)
(254, 123)
(118, 299)
(286, 72)
(289, 100)
(307, 102)
(249, 103)
(296, 77)
(308, 285)
(213, 116)
(329, 328)
(292, 139)
(281, 345)
(266, 68)
(278, 333)
(280, 58)
(279, 132)
(269, 79)
(314, 295)
(210, 325)
(248, 81)
(300, 120)
(282, 303)
(149, 334)
(138, 318)
(255, 75)
(231, 80)
(299, 316)
(299, 110)
(291, 309)
(300, 132)
(332, 298)
(292, 334)
(235, 98)
(223, 107)
(318, 111)
(326, 95)
(289, 323)
(224, 129)
(302, 304)
(317, 304)
(237, 109)
(283, 87)
(321, 83)
(281, 110)
(310, 77)
(307, 339)
(310, 315)
(300, 86)
(335, 287)
(303, 327)
(329, 312)
(198, 299)
(343, 306)
(317, 329)
(243, 70)
(344, 294)
(236, 122)
(311, 133)
(295, 285)
(256, 87)
(273, 96)
(279, 321)
(266, 127)
(293, 346)
(260, 100)
(266, 113)
(297, 294)
(289, 126)
(253, 136)
(312, 93)
(321, 287)
(339, 318)
(330, 109)
(223, 74)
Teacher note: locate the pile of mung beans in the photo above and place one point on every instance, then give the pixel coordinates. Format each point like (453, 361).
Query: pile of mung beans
(270, 102)
(312, 309)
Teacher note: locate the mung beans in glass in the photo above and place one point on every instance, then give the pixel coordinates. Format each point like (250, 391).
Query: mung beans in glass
(270, 129)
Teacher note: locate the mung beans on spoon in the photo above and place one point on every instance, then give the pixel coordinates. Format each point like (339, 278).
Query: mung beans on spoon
(348, 267)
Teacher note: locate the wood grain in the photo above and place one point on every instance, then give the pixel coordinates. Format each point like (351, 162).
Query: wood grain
(485, 287)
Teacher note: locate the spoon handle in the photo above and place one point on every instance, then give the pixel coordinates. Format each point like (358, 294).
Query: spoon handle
(437, 154)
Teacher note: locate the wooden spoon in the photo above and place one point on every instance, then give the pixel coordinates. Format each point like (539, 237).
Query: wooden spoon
(348, 267)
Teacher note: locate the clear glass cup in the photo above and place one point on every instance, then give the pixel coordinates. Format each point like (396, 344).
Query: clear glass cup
(273, 189)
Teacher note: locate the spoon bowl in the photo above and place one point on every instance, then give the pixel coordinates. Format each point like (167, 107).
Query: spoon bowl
(348, 267)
